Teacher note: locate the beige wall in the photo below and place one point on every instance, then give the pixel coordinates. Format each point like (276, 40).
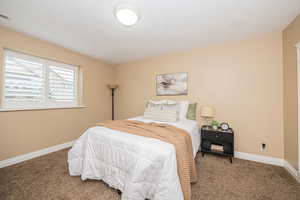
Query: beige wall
(26, 131)
(243, 80)
(291, 36)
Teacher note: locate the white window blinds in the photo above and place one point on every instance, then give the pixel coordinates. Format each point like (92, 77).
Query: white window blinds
(34, 82)
(62, 87)
(23, 80)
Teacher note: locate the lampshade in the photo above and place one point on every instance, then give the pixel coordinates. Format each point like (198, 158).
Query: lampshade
(207, 111)
(112, 86)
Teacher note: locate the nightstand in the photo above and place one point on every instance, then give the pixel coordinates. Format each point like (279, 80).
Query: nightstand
(224, 140)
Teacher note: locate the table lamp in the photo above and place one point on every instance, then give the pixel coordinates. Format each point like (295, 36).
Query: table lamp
(207, 112)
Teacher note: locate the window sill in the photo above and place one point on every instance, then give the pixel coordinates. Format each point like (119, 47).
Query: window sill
(44, 108)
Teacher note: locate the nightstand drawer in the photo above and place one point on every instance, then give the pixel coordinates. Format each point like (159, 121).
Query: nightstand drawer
(225, 139)
(217, 137)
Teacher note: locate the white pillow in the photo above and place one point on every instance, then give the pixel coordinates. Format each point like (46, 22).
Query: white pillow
(169, 105)
(184, 106)
(155, 105)
(172, 108)
(161, 115)
(158, 102)
(169, 102)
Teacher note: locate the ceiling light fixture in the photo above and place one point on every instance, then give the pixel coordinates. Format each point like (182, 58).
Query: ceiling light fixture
(126, 15)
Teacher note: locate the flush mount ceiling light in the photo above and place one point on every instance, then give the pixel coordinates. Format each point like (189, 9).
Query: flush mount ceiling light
(126, 15)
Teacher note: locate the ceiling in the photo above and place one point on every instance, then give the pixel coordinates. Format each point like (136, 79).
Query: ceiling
(89, 26)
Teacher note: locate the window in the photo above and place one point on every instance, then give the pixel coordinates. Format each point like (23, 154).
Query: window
(32, 82)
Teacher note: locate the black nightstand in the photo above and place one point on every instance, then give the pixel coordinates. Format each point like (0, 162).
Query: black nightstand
(223, 139)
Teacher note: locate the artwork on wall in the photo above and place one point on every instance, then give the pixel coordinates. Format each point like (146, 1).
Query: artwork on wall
(171, 84)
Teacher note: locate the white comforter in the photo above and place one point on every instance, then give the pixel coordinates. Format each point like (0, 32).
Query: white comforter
(138, 166)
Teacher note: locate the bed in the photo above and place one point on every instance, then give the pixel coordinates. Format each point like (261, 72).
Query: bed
(140, 167)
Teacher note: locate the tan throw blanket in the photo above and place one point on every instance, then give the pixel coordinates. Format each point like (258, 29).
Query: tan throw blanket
(179, 138)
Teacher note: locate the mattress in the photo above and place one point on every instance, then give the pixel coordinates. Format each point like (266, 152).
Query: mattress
(141, 167)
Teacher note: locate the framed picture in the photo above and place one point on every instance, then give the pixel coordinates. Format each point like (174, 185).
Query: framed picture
(171, 84)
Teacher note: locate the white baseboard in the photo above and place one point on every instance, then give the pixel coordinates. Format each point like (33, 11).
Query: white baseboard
(240, 155)
(269, 160)
(28, 156)
(259, 158)
(24, 157)
(292, 170)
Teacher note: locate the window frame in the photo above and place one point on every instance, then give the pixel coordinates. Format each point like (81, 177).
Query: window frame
(298, 104)
(45, 103)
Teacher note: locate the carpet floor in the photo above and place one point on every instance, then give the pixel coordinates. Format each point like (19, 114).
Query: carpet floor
(47, 177)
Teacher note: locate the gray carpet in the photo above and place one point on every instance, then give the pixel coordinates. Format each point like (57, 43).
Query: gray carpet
(47, 177)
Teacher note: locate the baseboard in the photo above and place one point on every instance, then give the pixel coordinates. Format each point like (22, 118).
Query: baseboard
(21, 158)
(292, 170)
(240, 155)
(259, 158)
(28, 156)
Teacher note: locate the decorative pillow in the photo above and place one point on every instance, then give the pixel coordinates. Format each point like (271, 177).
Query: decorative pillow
(158, 102)
(161, 115)
(181, 107)
(184, 105)
(170, 102)
(172, 108)
(155, 105)
(191, 113)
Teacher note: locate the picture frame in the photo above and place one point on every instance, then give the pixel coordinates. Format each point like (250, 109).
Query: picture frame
(172, 84)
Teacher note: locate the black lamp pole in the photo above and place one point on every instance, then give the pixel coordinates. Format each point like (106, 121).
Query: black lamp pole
(113, 103)
(113, 88)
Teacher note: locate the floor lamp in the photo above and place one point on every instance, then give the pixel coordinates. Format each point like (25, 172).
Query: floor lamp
(113, 88)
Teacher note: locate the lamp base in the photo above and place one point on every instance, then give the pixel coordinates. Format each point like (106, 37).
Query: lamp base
(207, 121)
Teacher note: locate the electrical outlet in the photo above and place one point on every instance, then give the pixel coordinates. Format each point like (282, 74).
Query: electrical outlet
(263, 146)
